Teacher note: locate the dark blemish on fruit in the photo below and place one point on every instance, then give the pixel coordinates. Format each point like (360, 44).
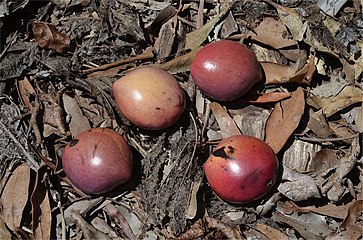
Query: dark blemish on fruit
(224, 168)
(231, 149)
(157, 108)
(242, 187)
(221, 153)
(73, 142)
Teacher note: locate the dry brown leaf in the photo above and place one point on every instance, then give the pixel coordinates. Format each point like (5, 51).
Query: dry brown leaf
(271, 32)
(179, 64)
(266, 97)
(226, 124)
(53, 116)
(270, 232)
(78, 122)
(277, 73)
(25, 90)
(354, 211)
(4, 231)
(15, 197)
(164, 15)
(41, 210)
(195, 39)
(113, 212)
(352, 232)
(48, 36)
(284, 119)
(345, 98)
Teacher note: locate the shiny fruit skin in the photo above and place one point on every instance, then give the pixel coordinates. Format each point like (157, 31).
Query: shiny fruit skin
(97, 160)
(241, 169)
(150, 98)
(225, 70)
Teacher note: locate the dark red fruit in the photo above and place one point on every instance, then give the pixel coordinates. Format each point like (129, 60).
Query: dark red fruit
(225, 70)
(97, 160)
(241, 169)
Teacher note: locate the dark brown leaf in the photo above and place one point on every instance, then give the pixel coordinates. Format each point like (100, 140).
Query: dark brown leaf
(47, 36)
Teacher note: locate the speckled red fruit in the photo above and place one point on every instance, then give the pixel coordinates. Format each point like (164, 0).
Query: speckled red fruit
(241, 169)
(97, 160)
(225, 70)
(149, 97)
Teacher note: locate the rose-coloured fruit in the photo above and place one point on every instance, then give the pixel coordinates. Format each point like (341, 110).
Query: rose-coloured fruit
(97, 160)
(241, 169)
(225, 70)
(149, 97)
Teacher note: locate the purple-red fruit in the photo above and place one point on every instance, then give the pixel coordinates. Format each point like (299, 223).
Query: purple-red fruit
(150, 98)
(225, 70)
(97, 160)
(241, 169)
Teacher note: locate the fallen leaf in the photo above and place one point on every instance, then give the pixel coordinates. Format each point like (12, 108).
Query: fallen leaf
(276, 73)
(352, 232)
(15, 197)
(346, 97)
(4, 231)
(165, 42)
(41, 210)
(271, 32)
(284, 119)
(48, 36)
(179, 64)
(89, 232)
(299, 187)
(225, 122)
(270, 232)
(25, 91)
(354, 211)
(194, 39)
(266, 97)
(78, 121)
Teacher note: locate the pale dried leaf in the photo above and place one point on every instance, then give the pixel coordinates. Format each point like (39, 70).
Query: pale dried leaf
(78, 122)
(352, 232)
(272, 32)
(4, 232)
(164, 43)
(277, 73)
(354, 211)
(284, 119)
(346, 97)
(225, 122)
(195, 39)
(15, 197)
(179, 64)
(331, 7)
(193, 201)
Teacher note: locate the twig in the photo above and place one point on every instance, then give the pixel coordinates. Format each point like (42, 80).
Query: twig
(314, 139)
(143, 56)
(31, 161)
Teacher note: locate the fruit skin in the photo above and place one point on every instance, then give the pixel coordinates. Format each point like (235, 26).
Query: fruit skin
(225, 70)
(97, 160)
(149, 97)
(241, 169)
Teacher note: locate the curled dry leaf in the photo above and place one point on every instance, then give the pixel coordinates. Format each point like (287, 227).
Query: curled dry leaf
(15, 197)
(278, 74)
(284, 119)
(48, 36)
(272, 32)
(226, 124)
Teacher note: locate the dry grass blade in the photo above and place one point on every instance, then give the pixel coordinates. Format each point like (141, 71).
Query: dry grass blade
(284, 119)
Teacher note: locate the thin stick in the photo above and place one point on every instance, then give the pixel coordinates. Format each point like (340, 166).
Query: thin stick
(142, 56)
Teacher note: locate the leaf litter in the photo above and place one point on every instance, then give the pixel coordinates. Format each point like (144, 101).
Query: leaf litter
(56, 74)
